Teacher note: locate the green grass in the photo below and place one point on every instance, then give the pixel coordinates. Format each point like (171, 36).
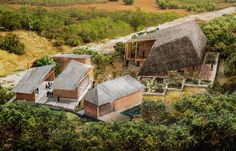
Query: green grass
(52, 2)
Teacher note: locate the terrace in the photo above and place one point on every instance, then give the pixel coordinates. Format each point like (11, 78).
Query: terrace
(159, 86)
(63, 103)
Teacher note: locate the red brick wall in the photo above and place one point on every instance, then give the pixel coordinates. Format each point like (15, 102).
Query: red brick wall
(128, 101)
(105, 109)
(90, 110)
(27, 97)
(71, 94)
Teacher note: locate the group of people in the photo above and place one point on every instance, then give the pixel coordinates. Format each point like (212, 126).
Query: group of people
(48, 85)
(49, 94)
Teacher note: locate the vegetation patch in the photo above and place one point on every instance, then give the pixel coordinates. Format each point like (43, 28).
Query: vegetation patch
(75, 27)
(191, 5)
(11, 43)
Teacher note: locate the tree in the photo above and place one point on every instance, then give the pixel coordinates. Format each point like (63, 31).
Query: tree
(12, 44)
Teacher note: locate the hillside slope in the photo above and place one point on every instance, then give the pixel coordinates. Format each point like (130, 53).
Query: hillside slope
(35, 47)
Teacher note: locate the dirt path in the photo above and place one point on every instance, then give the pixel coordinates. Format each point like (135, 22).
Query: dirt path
(107, 45)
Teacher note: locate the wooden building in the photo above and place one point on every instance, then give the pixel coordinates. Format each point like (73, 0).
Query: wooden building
(26, 87)
(114, 95)
(178, 48)
(73, 80)
(63, 60)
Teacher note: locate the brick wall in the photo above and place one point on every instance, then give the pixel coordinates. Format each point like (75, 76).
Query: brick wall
(128, 101)
(27, 97)
(90, 110)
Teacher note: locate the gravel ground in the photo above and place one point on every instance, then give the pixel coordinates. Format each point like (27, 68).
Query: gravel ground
(107, 45)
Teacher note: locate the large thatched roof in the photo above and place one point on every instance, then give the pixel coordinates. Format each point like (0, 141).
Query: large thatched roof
(175, 48)
(114, 89)
(32, 79)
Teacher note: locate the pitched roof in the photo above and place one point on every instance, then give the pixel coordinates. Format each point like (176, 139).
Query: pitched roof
(71, 56)
(71, 76)
(111, 90)
(32, 79)
(176, 47)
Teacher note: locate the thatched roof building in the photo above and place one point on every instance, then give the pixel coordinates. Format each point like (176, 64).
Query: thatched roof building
(175, 48)
(32, 79)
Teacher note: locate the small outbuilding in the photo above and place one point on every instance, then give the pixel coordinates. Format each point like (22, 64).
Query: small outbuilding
(31, 81)
(114, 95)
(73, 80)
(63, 60)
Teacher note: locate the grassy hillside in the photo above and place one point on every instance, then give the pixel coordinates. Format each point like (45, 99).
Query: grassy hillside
(52, 2)
(35, 47)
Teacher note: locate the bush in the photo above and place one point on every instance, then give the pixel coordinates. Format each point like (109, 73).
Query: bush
(230, 65)
(120, 48)
(128, 2)
(5, 95)
(191, 5)
(167, 4)
(46, 60)
(12, 44)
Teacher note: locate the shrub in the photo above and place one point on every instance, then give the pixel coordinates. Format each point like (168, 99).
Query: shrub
(167, 4)
(120, 48)
(12, 44)
(230, 65)
(128, 2)
(5, 95)
(46, 60)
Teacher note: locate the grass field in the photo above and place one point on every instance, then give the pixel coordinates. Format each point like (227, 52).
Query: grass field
(35, 47)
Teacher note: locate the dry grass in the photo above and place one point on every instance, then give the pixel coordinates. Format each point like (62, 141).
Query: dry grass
(144, 5)
(35, 47)
(173, 96)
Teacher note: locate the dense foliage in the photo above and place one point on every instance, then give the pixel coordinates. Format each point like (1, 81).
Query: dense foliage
(27, 127)
(46, 60)
(5, 95)
(221, 38)
(200, 122)
(73, 27)
(192, 5)
(11, 43)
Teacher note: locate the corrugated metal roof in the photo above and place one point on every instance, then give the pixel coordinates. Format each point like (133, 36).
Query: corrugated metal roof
(32, 79)
(71, 76)
(111, 90)
(71, 56)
